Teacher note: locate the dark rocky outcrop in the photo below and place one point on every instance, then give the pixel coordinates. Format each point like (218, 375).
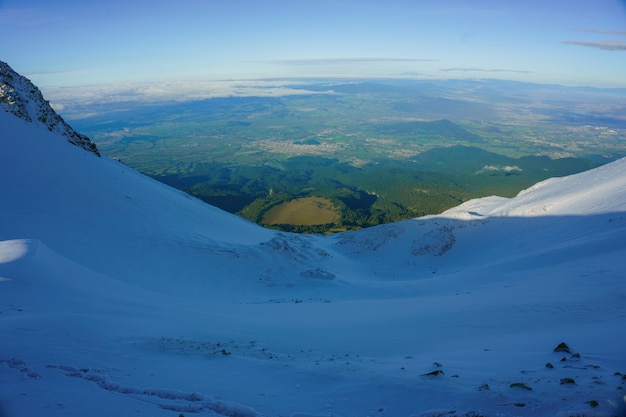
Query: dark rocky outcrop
(23, 99)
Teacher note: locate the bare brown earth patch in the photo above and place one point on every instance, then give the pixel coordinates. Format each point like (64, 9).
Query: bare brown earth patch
(306, 211)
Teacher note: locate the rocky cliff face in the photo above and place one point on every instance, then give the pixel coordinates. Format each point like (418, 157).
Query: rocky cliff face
(21, 98)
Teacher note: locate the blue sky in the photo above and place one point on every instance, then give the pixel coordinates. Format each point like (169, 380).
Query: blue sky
(83, 42)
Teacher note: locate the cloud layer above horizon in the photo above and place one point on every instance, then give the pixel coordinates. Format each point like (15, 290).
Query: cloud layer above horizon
(73, 43)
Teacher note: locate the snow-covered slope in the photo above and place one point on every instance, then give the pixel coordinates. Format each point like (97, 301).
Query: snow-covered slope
(122, 296)
(601, 190)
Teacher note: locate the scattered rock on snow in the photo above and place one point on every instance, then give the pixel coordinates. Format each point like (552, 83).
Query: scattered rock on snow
(592, 403)
(434, 373)
(318, 273)
(521, 385)
(562, 347)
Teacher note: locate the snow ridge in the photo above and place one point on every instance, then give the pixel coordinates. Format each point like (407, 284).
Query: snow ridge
(23, 99)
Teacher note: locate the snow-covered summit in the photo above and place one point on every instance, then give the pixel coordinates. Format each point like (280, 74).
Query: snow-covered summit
(23, 99)
(600, 190)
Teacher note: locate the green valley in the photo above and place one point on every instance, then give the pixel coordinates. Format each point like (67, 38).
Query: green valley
(350, 154)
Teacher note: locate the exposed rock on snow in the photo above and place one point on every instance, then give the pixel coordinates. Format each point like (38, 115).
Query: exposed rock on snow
(21, 98)
(562, 347)
(317, 273)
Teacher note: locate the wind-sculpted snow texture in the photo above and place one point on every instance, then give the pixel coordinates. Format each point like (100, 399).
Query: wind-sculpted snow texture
(121, 296)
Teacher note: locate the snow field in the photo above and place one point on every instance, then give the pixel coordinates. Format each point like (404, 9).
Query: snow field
(121, 296)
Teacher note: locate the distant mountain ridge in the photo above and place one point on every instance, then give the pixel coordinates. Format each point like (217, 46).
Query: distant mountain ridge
(23, 99)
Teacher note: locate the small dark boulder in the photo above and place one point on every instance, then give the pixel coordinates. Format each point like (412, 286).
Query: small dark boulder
(562, 347)
(521, 385)
(434, 373)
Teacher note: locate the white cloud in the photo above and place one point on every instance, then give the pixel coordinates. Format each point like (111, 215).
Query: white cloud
(500, 168)
(604, 45)
(343, 61)
(602, 32)
(473, 69)
(178, 91)
(58, 107)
